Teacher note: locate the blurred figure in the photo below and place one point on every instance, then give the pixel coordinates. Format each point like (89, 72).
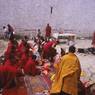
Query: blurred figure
(5, 30)
(48, 31)
(39, 34)
(93, 40)
(30, 66)
(10, 30)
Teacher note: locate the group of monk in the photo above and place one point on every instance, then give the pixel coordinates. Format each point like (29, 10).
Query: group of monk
(25, 57)
(17, 58)
(22, 57)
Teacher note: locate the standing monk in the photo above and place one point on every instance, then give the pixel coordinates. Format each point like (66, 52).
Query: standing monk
(93, 40)
(10, 30)
(67, 76)
(48, 31)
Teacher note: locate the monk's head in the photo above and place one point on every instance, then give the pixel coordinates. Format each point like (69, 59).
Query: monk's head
(34, 57)
(72, 49)
(48, 24)
(4, 27)
(30, 53)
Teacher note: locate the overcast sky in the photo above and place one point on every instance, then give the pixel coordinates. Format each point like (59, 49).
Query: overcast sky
(71, 14)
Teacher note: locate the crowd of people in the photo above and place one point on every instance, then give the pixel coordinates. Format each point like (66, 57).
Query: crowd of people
(22, 58)
(41, 55)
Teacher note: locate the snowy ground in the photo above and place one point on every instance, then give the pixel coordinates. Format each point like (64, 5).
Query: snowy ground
(87, 60)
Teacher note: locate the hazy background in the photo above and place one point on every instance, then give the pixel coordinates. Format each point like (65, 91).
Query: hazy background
(78, 15)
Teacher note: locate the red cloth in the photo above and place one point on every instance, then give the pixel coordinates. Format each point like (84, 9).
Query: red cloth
(9, 48)
(11, 73)
(23, 60)
(2, 69)
(2, 76)
(30, 66)
(16, 91)
(8, 68)
(7, 62)
(48, 45)
(11, 69)
(48, 31)
(20, 48)
(7, 73)
(93, 39)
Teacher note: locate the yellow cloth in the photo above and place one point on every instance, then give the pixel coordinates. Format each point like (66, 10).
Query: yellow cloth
(67, 75)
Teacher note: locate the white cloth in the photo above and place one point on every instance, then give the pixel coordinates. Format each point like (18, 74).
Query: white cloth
(71, 43)
(58, 49)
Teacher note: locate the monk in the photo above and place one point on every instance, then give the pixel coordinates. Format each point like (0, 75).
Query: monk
(67, 75)
(2, 69)
(9, 47)
(23, 59)
(10, 30)
(8, 72)
(21, 47)
(93, 40)
(30, 66)
(48, 31)
(46, 48)
(12, 46)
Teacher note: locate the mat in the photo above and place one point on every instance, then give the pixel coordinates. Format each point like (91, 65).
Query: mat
(38, 85)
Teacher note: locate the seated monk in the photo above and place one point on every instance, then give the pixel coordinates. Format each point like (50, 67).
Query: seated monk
(8, 74)
(23, 59)
(46, 49)
(30, 66)
(10, 69)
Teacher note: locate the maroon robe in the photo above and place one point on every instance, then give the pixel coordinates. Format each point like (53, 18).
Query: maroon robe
(46, 49)
(30, 66)
(20, 48)
(9, 48)
(7, 73)
(48, 31)
(23, 60)
(93, 39)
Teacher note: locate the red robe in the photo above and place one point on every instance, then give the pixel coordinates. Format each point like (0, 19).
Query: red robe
(20, 48)
(48, 31)
(48, 45)
(9, 48)
(22, 60)
(11, 69)
(93, 39)
(7, 73)
(7, 62)
(30, 67)
(2, 69)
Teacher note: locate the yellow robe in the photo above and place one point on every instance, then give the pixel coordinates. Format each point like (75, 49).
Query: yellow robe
(67, 75)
